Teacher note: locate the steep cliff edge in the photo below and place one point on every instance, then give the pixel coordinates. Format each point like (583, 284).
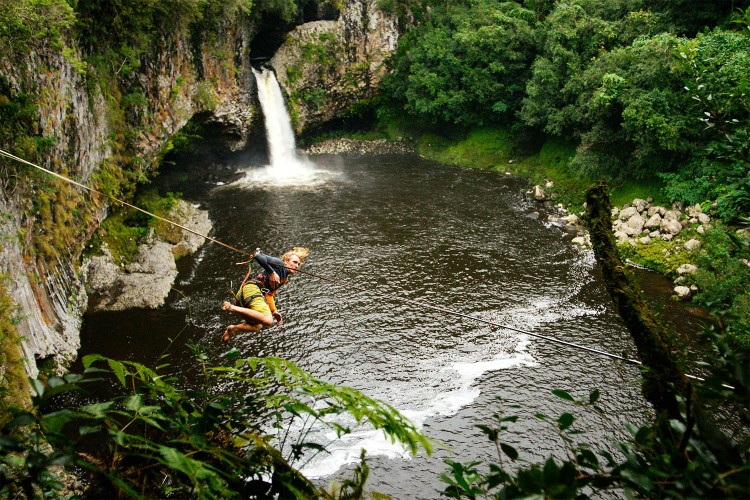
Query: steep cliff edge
(46, 222)
(105, 121)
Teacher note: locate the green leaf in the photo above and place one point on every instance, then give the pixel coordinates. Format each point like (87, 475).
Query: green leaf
(98, 410)
(509, 451)
(490, 432)
(563, 395)
(551, 472)
(565, 421)
(594, 396)
(587, 458)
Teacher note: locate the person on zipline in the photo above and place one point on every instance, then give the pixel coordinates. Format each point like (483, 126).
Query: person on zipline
(256, 304)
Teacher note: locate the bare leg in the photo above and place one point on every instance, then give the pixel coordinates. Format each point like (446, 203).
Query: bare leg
(231, 330)
(249, 315)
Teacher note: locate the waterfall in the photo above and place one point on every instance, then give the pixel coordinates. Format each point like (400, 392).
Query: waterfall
(284, 159)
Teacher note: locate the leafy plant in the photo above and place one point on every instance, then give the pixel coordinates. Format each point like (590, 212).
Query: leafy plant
(645, 466)
(155, 439)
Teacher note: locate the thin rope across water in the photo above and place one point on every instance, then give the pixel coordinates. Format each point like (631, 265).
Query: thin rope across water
(92, 190)
(341, 282)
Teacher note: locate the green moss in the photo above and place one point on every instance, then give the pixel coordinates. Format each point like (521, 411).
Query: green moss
(659, 255)
(14, 386)
(489, 148)
(126, 228)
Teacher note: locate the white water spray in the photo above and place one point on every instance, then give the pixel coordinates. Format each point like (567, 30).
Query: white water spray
(285, 161)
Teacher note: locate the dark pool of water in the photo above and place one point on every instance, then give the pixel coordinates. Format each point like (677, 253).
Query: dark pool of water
(460, 239)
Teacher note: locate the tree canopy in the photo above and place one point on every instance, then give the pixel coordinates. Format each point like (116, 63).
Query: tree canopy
(644, 89)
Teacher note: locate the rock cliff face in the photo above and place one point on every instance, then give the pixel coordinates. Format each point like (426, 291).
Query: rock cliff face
(324, 67)
(327, 66)
(177, 85)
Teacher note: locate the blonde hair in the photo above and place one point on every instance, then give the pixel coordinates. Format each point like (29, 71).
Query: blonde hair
(300, 252)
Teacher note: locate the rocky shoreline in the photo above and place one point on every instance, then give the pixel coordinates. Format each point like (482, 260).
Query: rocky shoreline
(641, 223)
(358, 146)
(145, 282)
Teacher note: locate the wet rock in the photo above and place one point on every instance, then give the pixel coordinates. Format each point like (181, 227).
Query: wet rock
(376, 147)
(584, 241)
(571, 219)
(538, 193)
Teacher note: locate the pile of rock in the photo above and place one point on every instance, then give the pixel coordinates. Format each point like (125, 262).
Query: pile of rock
(641, 221)
(374, 147)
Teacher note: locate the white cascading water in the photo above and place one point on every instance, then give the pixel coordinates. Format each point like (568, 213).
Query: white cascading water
(285, 161)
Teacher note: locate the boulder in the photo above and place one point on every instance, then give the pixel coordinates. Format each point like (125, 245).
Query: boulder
(656, 210)
(645, 240)
(571, 219)
(692, 244)
(672, 215)
(687, 269)
(693, 211)
(703, 218)
(653, 222)
(682, 292)
(670, 227)
(538, 193)
(627, 213)
(635, 222)
(640, 205)
(584, 241)
(622, 237)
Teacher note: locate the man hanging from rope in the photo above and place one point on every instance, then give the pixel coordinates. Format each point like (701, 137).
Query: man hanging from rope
(256, 305)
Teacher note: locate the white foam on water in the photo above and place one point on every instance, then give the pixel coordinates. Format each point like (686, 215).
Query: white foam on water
(460, 392)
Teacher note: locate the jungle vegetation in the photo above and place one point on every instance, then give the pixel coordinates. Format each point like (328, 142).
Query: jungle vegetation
(631, 91)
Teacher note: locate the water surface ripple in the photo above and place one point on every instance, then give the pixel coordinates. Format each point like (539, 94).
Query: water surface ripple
(461, 239)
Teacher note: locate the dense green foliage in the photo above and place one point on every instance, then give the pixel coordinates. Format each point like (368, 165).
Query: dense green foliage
(644, 89)
(468, 68)
(156, 440)
(646, 466)
(723, 281)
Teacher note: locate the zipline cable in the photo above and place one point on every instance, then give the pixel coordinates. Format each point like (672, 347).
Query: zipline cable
(340, 282)
(75, 183)
(491, 323)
